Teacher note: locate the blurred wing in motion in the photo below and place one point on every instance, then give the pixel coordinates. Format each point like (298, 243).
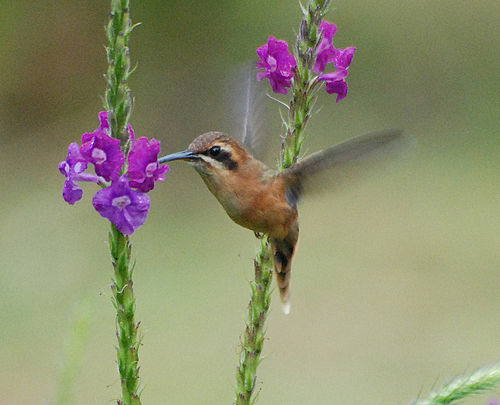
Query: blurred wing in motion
(366, 150)
(248, 106)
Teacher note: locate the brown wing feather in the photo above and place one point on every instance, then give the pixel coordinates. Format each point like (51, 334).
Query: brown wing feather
(363, 147)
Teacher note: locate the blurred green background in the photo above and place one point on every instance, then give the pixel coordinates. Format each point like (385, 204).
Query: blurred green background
(395, 285)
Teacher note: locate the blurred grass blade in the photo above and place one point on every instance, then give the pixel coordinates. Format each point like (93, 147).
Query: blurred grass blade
(74, 350)
(461, 387)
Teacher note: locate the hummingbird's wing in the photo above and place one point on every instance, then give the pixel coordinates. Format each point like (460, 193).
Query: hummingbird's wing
(369, 149)
(249, 105)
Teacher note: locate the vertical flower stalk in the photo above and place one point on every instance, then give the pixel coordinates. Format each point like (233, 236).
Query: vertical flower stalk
(118, 103)
(126, 169)
(314, 50)
(304, 84)
(124, 302)
(253, 337)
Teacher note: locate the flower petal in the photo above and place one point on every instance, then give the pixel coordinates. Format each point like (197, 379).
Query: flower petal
(126, 208)
(339, 87)
(104, 152)
(71, 192)
(72, 168)
(278, 64)
(325, 50)
(143, 169)
(333, 76)
(343, 57)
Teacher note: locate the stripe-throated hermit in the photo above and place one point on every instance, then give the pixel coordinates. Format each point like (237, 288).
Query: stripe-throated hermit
(265, 200)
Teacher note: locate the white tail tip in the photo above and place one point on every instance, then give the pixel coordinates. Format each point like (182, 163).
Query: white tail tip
(285, 307)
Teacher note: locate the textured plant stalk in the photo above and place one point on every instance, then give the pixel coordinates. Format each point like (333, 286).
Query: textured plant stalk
(253, 337)
(476, 383)
(304, 94)
(126, 332)
(305, 83)
(118, 103)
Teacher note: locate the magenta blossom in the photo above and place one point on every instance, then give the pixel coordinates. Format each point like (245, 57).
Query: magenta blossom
(73, 168)
(124, 207)
(327, 53)
(102, 150)
(278, 63)
(325, 50)
(335, 83)
(143, 167)
(343, 57)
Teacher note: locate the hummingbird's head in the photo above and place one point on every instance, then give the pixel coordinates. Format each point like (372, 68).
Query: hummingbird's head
(212, 153)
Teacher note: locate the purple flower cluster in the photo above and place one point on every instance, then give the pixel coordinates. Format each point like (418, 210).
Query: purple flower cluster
(123, 206)
(341, 59)
(279, 64)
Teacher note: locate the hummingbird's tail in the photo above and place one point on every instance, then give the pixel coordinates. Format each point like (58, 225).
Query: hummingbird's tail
(283, 252)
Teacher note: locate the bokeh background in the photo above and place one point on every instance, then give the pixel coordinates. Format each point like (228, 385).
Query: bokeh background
(396, 282)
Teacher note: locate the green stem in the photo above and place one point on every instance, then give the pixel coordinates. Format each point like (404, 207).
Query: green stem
(304, 87)
(118, 102)
(304, 95)
(124, 302)
(253, 337)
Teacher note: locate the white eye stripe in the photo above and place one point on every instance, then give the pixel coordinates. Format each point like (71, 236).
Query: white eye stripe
(213, 162)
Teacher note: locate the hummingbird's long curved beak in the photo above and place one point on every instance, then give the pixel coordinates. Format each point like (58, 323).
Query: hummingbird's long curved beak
(184, 155)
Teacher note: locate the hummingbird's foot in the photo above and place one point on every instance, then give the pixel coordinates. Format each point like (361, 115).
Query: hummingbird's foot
(258, 235)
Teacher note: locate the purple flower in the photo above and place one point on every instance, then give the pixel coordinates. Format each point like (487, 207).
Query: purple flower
(73, 168)
(335, 83)
(143, 167)
(124, 207)
(102, 150)
(343, 57)
(325, 51)
(278, 64)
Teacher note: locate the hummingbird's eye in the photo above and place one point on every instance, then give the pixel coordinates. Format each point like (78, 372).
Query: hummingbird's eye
(214, 150)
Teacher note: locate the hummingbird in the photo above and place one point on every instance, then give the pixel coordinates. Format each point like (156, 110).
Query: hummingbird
(265, 200)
